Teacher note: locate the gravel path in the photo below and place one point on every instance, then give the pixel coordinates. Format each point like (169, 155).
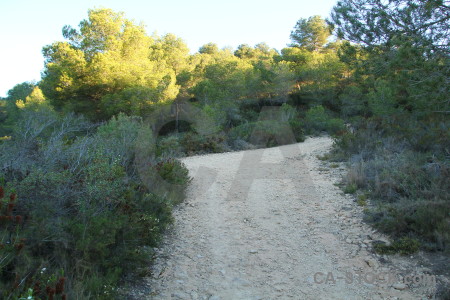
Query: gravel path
(271, 224)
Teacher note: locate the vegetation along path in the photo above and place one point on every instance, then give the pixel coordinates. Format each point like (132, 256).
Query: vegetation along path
(272, 224)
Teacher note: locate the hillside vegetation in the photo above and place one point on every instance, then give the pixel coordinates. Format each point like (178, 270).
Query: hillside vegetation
(87, 161)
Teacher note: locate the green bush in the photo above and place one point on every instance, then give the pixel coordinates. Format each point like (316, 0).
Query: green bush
(350, 188)
(264, 133)
(425, 220)
(288, 113)
(249, 110)
(297, 128)
(197, 143)
(404, 246)
(223, 114)
(335, 126)
(317, 120)
(175, 178)
(407, 184)
(170, 146)
(87, 213)
(352, 99)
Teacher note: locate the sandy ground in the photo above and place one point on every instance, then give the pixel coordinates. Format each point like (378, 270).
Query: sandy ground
(272, 224)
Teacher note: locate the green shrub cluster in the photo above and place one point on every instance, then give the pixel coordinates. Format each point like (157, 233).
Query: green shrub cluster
(85, 213)
(190, 143)
(169, 146)
(193, 142)
(404, 246)
(267, 127)
(405, 175)
(266, 133)
(317, 120)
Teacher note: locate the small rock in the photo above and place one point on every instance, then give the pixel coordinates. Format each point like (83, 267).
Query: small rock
(399, 286)
(371, 263)
(179, 295)
(348, 241)
(253, 251)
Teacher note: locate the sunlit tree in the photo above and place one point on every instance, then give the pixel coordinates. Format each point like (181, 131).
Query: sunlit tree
(209, 48)
(105, 56)
(311, 34)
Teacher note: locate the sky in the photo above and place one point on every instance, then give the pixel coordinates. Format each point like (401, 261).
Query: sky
(28, 25)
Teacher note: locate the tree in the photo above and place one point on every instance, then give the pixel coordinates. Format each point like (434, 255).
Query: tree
(20, 91)
(34, 101)
(404, 46)
(209, 48)
(317, 74)
(296, 56)
(311, 33)
(9, 112)
(260, 51)
(244, 51)
(173, 51)
(224, 79)
(105, 56)
(374, 22)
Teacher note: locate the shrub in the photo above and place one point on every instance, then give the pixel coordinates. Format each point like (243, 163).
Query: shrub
(412, 218)
(408, 187)
(352, 100)
(350, 188)
(362, 200)
(117, 136)
(288, 113)
(175, 178)
(404, 246)
(198, 143)
(223, 114)
(335, 126)
(297, 128)
(86, 213)
(263, 133)
(317, 120)
(409, 174)
(170, 146)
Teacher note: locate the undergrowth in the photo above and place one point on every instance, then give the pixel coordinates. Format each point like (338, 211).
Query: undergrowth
(405, 174)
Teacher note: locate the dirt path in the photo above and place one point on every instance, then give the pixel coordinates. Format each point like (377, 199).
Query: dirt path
(271, 224)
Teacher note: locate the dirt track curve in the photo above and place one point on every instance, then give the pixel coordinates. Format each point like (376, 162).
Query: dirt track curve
(271, 224)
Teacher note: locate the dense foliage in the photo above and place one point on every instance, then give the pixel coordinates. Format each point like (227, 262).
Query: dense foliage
(83, 214)
(397, 98)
